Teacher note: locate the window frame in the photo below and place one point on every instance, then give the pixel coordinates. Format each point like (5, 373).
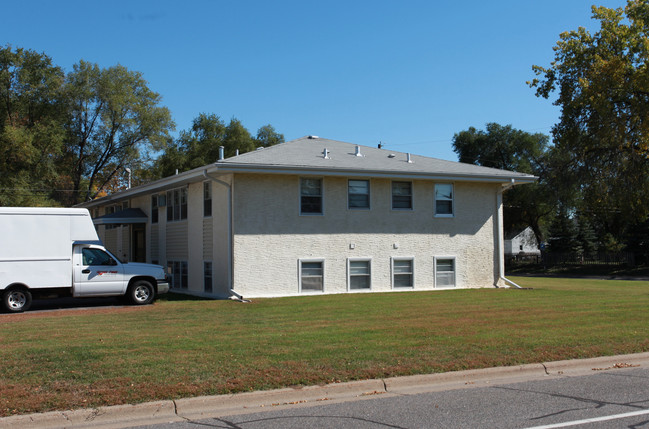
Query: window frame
(349, 194)
(411, 195)
(207, 199)
(301, 261)
(177, 204)
(179, 271)
(452, 200)
(208, 274)
(436, 271)
(321, 196)
(155, 211)
(349, 274)
(410, 259)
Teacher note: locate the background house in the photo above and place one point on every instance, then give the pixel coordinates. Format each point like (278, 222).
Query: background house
(315, 216)
(521, 241)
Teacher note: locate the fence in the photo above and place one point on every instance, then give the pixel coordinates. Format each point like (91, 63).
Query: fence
(552, 259)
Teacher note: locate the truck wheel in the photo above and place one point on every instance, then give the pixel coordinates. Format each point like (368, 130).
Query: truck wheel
(16, 300)
(141, 292)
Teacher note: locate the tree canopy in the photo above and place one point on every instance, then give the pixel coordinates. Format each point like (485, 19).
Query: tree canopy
(68, 137)
(507, 148)
(601, 83)
(200, 144)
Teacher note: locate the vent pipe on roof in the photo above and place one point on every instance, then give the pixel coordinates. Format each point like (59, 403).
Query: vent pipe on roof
(409, 159)
(312, 137)
(221, 153)
(237, 152)
(326, 154)
(358, 151)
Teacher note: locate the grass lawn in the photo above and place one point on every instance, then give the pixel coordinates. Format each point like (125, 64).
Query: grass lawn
(177, 348)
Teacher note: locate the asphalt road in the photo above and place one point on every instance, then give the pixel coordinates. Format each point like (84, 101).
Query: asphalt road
(619, 398)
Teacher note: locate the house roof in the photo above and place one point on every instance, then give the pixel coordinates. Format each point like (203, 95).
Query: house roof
(122, 217)
(306, 156)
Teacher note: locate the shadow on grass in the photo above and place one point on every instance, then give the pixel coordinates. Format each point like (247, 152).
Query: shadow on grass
(609, 272)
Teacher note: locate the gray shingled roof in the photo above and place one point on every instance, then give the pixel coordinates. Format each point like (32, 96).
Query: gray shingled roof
(307, 154)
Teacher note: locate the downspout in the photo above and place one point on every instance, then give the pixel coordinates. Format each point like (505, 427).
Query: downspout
(500, 240)
(233, 294)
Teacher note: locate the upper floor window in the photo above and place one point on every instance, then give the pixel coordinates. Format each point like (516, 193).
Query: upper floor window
(310, 196)
(444, 199)
(358, 194)
(177, 204)
(402, 195)
(207, 199)
(154, 208)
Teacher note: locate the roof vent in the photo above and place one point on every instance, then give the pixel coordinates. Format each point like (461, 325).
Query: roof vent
(358, 151)
(221, 152)
(312, 137)
(409, 159)
(325, 154)
(391, 155)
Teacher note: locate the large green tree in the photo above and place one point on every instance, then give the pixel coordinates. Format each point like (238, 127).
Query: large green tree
(601, 83)
(507, 148)
(200, 144)
(113, 120)
(31, 127)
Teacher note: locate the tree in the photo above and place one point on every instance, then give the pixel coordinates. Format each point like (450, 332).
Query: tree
(113, 120)
(31, 127)
(267, 136)
(200, 144)
(507, 148)
(602, 85)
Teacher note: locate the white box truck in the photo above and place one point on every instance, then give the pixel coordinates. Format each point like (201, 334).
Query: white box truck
(55, 252)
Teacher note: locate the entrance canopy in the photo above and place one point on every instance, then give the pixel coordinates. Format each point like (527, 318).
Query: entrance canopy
(122, 217)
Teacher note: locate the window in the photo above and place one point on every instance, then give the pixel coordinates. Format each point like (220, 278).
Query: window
(207, 199)
(402, 273)
(92, 256)
(444, 199)
(310, 196)
(154, 209)
(178, 271)
(402, 195)
(177, 204)
(207, 276)
(359, 274)
(444, 272)
(358, 194)
(311, 276)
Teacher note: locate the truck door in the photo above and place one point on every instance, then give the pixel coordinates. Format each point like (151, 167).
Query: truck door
(97, 273)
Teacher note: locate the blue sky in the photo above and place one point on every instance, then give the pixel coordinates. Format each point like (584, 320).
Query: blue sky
(407, 73)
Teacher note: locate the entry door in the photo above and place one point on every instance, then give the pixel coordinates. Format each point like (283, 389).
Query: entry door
(97, 273)
(138, 243)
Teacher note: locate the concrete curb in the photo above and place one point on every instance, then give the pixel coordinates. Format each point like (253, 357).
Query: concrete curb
(121, 416)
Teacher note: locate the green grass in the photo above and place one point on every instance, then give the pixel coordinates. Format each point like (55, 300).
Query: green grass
(177, 348)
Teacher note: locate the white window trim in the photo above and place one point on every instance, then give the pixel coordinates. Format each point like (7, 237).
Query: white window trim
(299, 275)
(412, 197)
(452, 200)
(454, 272)
(402, 258)
(349, 260)
(369, 194)
(299, 195)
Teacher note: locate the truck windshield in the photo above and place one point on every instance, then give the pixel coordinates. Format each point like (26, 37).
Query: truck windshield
(96, 257)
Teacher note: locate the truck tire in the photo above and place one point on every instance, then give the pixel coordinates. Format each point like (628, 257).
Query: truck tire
(16, 300)
(141, 293)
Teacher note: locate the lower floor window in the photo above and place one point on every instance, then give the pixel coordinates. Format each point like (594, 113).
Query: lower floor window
(359, 274)
(402, 273)
(444, 272)
(311, 276)
(207, 276)
(178, 271)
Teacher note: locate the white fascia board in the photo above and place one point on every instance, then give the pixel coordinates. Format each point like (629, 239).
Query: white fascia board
(370, 173)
